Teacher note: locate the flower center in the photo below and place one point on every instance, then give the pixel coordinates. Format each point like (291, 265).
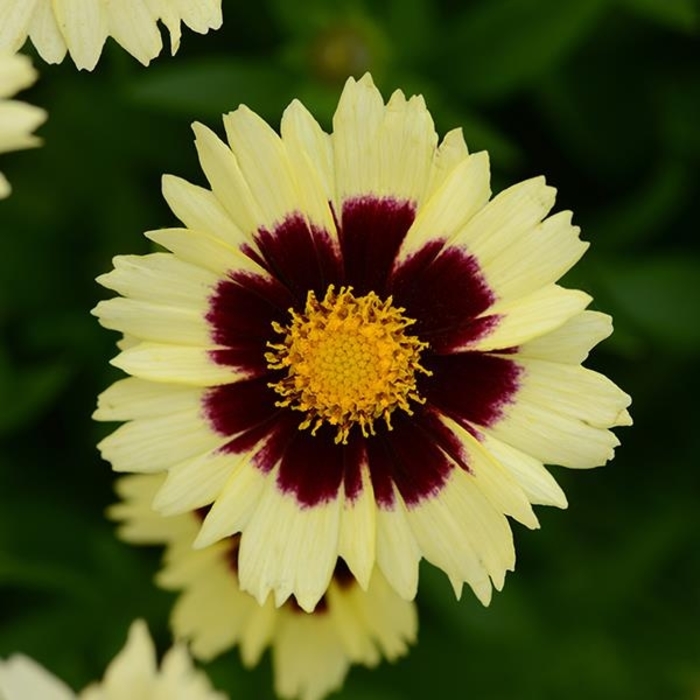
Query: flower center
(348, 360)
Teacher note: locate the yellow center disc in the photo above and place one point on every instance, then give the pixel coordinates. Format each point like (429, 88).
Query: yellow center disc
(348, 360)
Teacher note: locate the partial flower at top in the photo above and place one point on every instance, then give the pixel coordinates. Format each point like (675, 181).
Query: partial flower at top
(311, 652)
(17, 119)
(132, 674)
(81, 27)
(350, 351)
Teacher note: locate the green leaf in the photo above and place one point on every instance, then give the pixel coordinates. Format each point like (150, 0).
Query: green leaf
(645, 212)
(213, 86)
(676, 14)
(495, 48)
(660, 296)
(26, 392)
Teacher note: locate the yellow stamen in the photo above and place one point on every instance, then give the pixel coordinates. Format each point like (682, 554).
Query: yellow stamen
(349, 361)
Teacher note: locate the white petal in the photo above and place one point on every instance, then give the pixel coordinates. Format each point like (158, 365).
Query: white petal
(155, 322)
(171, 363)
(358, 532)
(236, 504)
(536, 258)
(228, 183)
(133, 27)
(84, 27)
(153, 444)
(289, 549)
(398, 553)
(133, 398)
(162, 279)
(200, 210)
(205, 251)
(21, 678)
(571, 342)
(449, 154)
(530, 316)
(196, 482)
(535, 481)
(462, 194)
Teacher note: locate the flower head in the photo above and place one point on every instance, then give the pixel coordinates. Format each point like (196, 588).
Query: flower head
(133, 673)
(81, 28)
(311, 652)
(350, 351)
(17, 119)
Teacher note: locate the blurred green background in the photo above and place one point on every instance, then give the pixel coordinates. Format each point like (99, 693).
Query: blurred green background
(603, 97)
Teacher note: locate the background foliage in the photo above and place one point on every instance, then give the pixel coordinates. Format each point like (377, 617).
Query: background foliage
(602, 96)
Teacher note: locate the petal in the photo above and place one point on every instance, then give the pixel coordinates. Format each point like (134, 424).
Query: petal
(396, 144)
(571, 342)
(288, 549)
(356, 124)
(200, 210)
(134, 667)
(536, 482)
(204, 250)
(196, 482)
(133, 398)
(84, 27)
(15, 18)
(16, 72)
(528, 317)
(155, 322)
(227, 182)
(306, 140)
(307, 657)
(133, 27)
(444, 529)
(561, 413)
(278, 188)
(509, 215)
(171, 363)
(449, 154)
(536, 258)
(358, 531)
(463, 192)
(153, 444)
(21, 678)
(160, 278)
(46, 35)
(398, 553)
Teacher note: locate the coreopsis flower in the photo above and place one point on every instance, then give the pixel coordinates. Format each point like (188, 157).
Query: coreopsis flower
(17, 119)
(350, 350)
(311, 652)
(132, 674)
(57, 27)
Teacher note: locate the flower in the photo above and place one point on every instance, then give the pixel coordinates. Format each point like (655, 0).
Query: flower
(311, 652)
(132, 673)
(17, 119)
(350, 351)
(81, 28)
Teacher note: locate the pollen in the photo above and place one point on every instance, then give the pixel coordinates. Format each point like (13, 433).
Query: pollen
(349, 361)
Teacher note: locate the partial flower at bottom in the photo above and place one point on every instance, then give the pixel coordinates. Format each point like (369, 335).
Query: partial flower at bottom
(133, 674)
(81, 28)
(17, 119)
(352, 351)
(311, 652)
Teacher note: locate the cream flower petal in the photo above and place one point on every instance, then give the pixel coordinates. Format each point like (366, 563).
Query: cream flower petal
(378, 350)
(311, 652)
(133, 673)
(21, 678)
(17, 119)
(80, 28)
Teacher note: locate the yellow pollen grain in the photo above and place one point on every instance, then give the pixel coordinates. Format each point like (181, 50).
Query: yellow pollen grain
(348, 360)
